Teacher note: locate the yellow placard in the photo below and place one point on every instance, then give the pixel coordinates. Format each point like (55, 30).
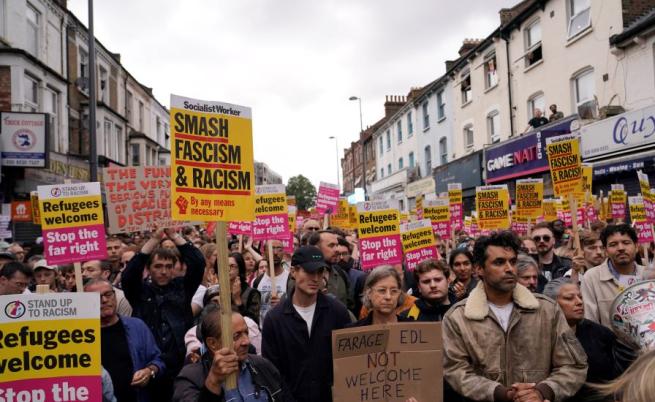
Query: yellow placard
(529, 198)
(565, 164)
(341, 218)
(492, 206)
(417, 239)
(455, 196)
(378, 223)
(437, 213)
(637, 209)
(36, 212)
(212, 164)
(352, 216)
(292, 217)
(550, 210)
(71, 212)
(618, 197)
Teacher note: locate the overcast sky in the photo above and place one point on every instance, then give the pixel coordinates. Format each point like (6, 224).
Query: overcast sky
(295, 62)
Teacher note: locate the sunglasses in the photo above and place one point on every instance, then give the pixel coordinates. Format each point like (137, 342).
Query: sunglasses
(546, 238)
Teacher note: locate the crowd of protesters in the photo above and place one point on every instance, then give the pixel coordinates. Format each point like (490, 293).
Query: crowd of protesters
(523, 318)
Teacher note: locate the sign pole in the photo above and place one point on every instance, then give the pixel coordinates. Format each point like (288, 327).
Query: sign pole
(271, 267)
(574, 220)
(225, 294)
(529, 231)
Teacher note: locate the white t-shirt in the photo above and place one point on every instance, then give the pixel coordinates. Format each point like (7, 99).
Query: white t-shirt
(265, 288)
(199, 296)
(502, 313)
(307, 314)
(627, 280)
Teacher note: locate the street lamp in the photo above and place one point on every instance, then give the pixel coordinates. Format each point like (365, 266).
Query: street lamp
(336, 148)
(361, 130)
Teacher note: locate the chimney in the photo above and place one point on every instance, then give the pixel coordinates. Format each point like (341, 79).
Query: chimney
(450, 64)
(467, 45)
(392, 104)
(506, 16)
(413, 93)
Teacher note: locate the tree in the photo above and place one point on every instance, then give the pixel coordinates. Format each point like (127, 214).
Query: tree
(304, 191)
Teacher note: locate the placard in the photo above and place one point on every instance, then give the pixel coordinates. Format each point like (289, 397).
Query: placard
(271, 213)
(341, 217)
(138, 198)
(529, 198)
(456, 205)
(72, 222)
(212, 169)
(240, 228)
(378, 226)
(437, 210)
(327, 198)
(418, 242)
(639, 221)
(618, 199)
(390, 363)
(50, 347)
(649, 197)
(565, 164)
(492, 206)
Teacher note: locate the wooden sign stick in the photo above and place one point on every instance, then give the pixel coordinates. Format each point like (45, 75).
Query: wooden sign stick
(529, 227)
(271, 267)
(241, 243)
(77, 266)
(225, 294)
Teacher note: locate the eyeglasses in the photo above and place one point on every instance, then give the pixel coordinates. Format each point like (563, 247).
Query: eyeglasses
(107, 295)
(384, 291)
(343, 255)
(546, 238)
(313, 228)
(277, 248)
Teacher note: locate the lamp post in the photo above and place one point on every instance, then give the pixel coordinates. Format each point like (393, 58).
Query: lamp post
(336, 148)
(363, 145)
(93, 150)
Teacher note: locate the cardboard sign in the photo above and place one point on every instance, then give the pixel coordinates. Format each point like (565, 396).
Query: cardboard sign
(388, 363)
(21, 211)
(378, 226)
(36, 213)
(138, 198)
(418, 242)
(437, 210)
(72, 222)
(618, 199)
(212, 169)
(327, 198)
(565, 164)
(639, 221)
(341, 217)
(51, 347)
(271, 213)
(492, 206)
(456, 205)
(649, 197)
(529, 198)
(240, 228)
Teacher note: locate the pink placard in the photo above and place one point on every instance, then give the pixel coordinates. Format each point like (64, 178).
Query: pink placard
(82, 388)
(618, 211)
(650, 210)
(442, 229)
(268, 227)
(521, 228)
(288, 245)
(414, 257)
(592, 215)
(644, 232)
(81, 243)
(327, 198)
(240, 228)
(381, 250)
(456, 216)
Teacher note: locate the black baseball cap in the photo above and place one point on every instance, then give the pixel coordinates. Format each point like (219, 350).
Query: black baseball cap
(309, 258)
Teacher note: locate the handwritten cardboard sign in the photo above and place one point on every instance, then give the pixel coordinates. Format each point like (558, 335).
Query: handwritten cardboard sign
(389, 363)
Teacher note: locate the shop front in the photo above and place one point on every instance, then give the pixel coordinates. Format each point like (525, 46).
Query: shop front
(467, 171)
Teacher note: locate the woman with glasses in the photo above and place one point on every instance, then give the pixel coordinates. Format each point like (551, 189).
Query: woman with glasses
(382, 296)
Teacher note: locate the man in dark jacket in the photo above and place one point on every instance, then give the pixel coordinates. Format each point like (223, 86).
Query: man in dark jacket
(552, 266)
(435, 298)
(164, 302)
(204, 381)
(338, 282)
(297, 332)
(356, 276)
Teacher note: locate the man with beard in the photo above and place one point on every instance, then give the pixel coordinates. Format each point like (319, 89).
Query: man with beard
(505, 343)
(593, 253)
(356, 277)
(338, 282)
(552, 265)
(601, 284)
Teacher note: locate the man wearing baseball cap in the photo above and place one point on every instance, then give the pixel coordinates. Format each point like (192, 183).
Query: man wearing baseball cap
(297, 333)
(45, 274)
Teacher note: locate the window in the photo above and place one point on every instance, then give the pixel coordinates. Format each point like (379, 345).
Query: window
(158, 128)
(381, 144)
(441, 106)
(443, 150)
(108, 141)
(468, 137)
(33, 19)
(493, 126)
(533, 44)
(410, 124)
(399, 130)
(401, 163)
(141, 125)
(426, 116)
(120, 143)
(388, 140)
(465, 86)
(428, 161)
(381, 172)
(490, 73)
(104, 86)
(135, 150)
(51, 106)
(579, 16)
(411, 160)
(389, 169)
(129, 106)
(583, 87)
(83, 73)
(536, 101)
(31, 94)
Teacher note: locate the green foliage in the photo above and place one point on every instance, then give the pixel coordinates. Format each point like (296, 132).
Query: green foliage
(304, 191)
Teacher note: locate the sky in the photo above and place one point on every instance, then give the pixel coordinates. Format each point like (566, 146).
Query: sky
(296, 63)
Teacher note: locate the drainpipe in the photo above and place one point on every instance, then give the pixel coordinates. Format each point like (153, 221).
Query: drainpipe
(509, 82)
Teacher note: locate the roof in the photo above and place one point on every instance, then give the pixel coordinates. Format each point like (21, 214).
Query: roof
(642, 25)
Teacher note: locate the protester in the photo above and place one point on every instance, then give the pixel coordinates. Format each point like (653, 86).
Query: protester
(338, 282)
(209, 278)
(257, 378)
(487, 334)
(382, 292)
(593, 253)
(552, 266)
(128, 349)
(601, 284)
(68, 280)
(461, 263)
(637, 384)
(529, 247)
(14, 278)
(164, 302)
(356, 277)
(297, 332)
(6, 256)
(251, 258)
(115, 246)
(126, 256)
(96, 269)
(536, 121)
(264, 285)
(435, 298)
(606, 357)
(527, 274)
(310, 225)
(554, 113)
(45, 274)
(406, 300)
(17, 250)
(246, 299)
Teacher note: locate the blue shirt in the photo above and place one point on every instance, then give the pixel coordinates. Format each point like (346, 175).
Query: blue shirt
(245, 391)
